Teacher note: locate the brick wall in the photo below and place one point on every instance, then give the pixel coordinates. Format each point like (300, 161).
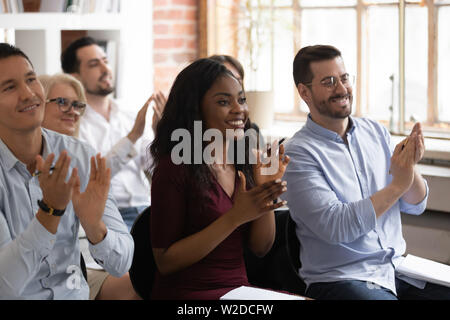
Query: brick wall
(175, 39)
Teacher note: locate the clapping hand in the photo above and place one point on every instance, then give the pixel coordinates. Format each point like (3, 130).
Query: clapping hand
(272, 170)
(402, 162)
(251, 204)
(90, 204)
(56, 192)
(160, 102)
(139, 122)
(419, 142)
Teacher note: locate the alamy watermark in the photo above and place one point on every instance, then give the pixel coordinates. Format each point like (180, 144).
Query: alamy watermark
(213, 152)
(73, 282)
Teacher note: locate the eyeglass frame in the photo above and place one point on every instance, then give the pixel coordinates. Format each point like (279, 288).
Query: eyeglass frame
(73, 104)
(335, 82)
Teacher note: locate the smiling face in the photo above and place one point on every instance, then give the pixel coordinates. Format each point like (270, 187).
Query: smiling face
(56, 120)
(335, 103)
(21, 96)
(224, 106)
(94, 72)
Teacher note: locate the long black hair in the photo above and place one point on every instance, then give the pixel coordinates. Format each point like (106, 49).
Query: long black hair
(183, 107)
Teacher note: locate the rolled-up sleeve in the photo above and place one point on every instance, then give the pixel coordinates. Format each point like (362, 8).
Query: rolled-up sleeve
(313, 203)
(415, 209)
(20, 258)
(115, 252)
(120, 154)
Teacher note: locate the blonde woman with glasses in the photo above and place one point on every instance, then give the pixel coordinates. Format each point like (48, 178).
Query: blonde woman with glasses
(65, 104)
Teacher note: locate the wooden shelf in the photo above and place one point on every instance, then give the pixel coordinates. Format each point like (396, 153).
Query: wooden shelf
(62, 21)
(41, 36)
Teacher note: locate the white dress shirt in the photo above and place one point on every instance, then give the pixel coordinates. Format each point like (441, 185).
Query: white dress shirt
(129, 184)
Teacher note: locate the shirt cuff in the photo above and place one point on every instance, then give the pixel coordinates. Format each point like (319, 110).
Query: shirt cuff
(38, 238)
(418, 208)
(101, 250)
(124, 149)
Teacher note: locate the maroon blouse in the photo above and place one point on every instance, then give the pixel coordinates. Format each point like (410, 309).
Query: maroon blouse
(175, 215)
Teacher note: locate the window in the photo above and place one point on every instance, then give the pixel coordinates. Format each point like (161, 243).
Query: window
(398, 50)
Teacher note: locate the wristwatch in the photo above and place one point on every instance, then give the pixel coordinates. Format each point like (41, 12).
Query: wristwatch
(50, 211)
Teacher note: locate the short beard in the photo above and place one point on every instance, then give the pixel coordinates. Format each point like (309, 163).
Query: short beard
(100, 92)
(324, 109)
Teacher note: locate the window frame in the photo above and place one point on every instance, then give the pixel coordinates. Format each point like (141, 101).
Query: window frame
(431, 124)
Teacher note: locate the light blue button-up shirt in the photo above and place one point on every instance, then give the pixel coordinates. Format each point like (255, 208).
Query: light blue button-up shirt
(35, 264)
(329, 189)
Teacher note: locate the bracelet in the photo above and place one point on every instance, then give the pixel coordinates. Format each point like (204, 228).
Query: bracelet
(50, 211)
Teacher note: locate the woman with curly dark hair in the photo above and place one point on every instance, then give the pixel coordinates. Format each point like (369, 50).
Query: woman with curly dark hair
(204, 212)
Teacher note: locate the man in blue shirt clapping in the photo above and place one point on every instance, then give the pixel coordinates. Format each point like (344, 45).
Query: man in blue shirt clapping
(347, 187)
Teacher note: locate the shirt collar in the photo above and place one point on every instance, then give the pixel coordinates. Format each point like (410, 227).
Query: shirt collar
(323, 132)
(9, 160)
(45, 140)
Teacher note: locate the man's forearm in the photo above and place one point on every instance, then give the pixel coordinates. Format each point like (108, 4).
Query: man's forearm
(384, 199)
(417, 191)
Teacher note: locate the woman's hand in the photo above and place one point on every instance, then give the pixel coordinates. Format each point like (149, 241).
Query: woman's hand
(274, 169)
(251, 204)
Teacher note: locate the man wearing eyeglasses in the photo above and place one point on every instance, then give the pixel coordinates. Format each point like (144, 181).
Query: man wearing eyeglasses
(109, 129)
(347, 188)
(49, 184)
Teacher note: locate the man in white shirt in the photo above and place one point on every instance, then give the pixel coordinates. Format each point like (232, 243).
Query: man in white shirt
(111, 131)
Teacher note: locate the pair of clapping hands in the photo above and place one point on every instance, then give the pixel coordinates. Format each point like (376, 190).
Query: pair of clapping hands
(57, 192)
(252, 204)
(406, 155)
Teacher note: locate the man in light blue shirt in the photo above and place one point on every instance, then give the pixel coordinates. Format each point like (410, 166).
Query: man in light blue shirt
(346, 189)
(49, 184)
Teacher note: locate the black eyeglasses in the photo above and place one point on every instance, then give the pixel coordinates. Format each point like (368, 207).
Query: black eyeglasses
(65, 105)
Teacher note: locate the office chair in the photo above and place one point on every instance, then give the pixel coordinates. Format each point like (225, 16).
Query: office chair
(270, 271)
(297, 285)
(277, 269)
(143, 267)
(83, 267)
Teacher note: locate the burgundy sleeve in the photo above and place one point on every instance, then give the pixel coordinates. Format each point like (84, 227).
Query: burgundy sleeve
(168, 204)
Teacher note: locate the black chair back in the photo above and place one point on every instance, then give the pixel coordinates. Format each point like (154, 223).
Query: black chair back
(275, 270)
(83, 267)
(143, 267)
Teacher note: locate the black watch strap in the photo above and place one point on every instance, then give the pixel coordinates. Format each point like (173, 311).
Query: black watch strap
(50, 211)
